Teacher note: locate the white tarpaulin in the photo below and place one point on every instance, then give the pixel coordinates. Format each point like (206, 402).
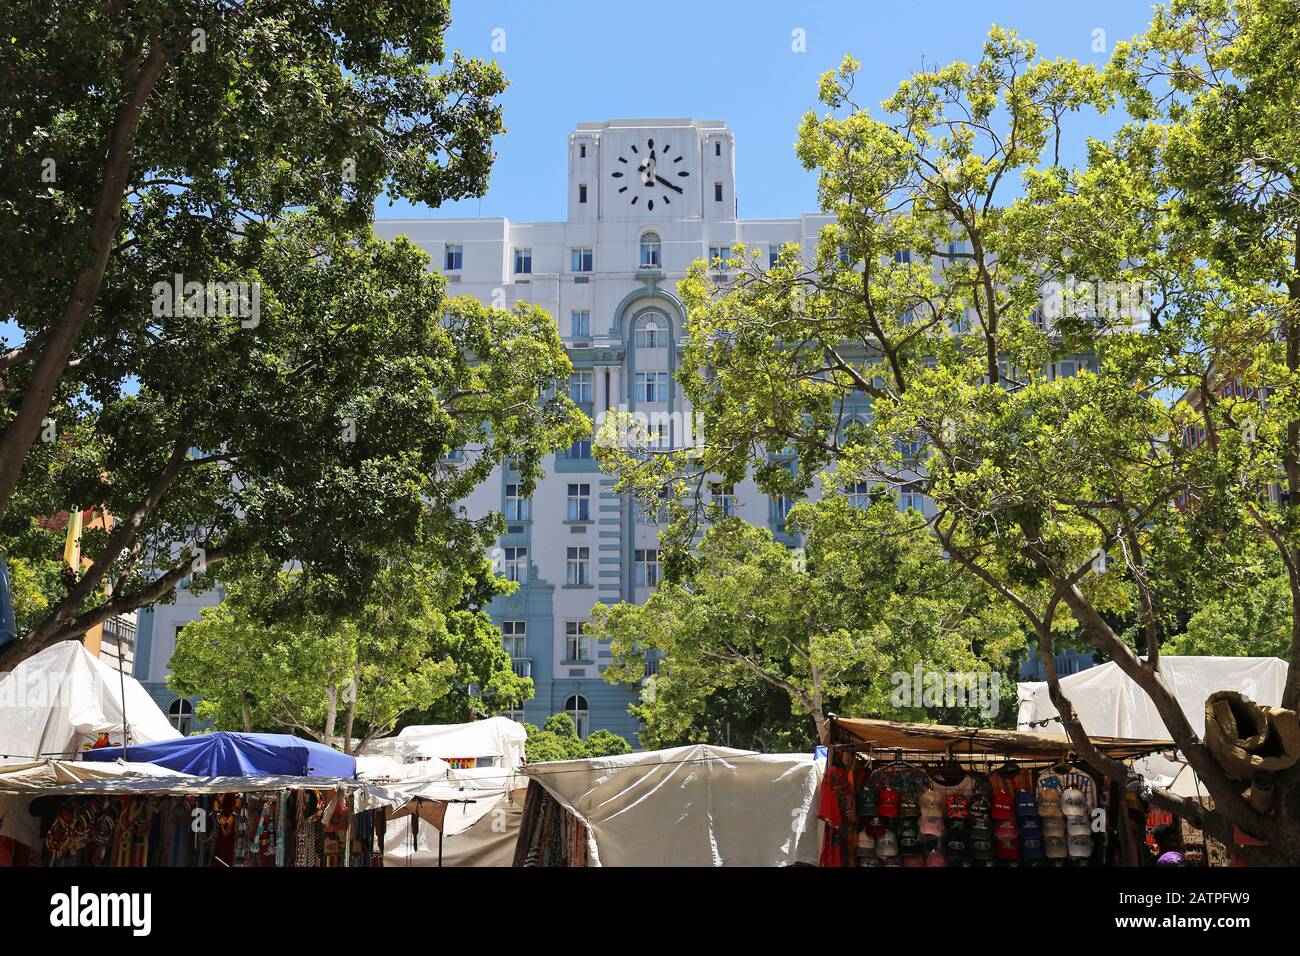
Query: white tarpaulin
(498, 739)
(691, 806)
(58, 701)
(1109, 704)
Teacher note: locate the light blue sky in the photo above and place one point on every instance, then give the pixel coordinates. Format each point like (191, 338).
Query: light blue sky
(572, 61)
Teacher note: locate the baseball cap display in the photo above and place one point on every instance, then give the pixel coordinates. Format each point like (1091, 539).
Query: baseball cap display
(902, 815)
(1080, 847)
(1006, 840)
(1054, 844)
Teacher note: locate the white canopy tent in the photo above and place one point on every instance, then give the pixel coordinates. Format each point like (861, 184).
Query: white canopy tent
(472, 812)
(691, 806)
(1109, 704)
(58, 701)
(497, 740)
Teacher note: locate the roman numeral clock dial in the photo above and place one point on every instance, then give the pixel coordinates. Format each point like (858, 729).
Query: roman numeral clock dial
(656, 174)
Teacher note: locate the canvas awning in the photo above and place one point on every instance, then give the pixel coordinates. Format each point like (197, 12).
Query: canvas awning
(941, 738)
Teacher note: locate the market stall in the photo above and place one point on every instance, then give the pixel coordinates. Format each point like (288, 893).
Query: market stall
(465, 798)
(898, 794)
(131, 820)
(688, 806)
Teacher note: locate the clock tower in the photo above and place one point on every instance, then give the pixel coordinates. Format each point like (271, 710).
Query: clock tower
(651, 171)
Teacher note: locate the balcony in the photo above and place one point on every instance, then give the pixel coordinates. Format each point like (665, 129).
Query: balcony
(522, 666)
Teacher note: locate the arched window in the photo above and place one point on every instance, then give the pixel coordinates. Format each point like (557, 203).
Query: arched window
(650, 246)
(651, 331)
(181, 715)
(576, 707)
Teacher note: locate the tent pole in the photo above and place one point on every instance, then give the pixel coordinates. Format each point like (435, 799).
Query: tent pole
(439, 846)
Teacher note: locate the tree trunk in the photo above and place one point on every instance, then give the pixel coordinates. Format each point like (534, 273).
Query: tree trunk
(140, 78)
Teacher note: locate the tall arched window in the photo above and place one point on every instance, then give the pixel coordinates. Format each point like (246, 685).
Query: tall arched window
(181, 715)
(650, 247)
(576, 707)
(651, 331)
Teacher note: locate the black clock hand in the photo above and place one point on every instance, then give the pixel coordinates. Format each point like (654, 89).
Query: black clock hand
(668, 184)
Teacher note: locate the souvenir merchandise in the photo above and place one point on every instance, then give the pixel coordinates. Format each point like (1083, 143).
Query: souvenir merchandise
(245, 830)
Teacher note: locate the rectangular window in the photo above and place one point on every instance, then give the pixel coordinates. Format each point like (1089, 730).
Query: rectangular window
(910, 449)
(717, 148)
(579, 502)
(859, 494)
(581, 260)
(724, 497)
(453, 258)
(580, 387)
(781, 506)
(651, 387)
(523, 262)
(647, 568)
(722, 253)
(580, 324)
(514, 635)
(773, 254)
(577, 566)
(516, 564)
(575, 640)
(582, 150)
(903, 257)
(518, 508)
(909, 497)
(582, 192)
(717, 192)
(580, 450)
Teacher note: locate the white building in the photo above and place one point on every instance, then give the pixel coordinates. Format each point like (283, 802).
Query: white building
(646, 198)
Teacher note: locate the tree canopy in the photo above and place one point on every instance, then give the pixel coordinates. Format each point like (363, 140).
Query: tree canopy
(828, 627)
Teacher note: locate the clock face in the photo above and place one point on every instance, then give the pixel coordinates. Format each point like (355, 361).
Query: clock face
(650, 174)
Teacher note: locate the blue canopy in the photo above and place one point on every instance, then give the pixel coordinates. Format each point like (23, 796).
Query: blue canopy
(225, 754)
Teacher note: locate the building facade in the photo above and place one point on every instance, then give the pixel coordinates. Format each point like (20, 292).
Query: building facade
(646, 198)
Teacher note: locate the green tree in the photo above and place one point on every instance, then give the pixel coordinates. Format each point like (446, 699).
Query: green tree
(557, 739)
(828, 627)
(269, 657)
(325, 434)
(943, 297)
(147, 139)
